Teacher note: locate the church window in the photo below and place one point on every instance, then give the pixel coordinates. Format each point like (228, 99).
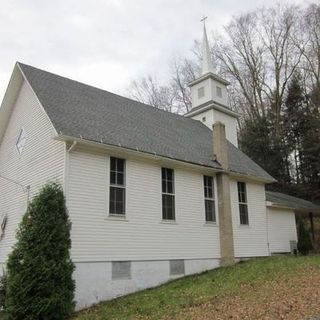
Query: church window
(117, 186)
(168, 201)
(243, 203)
(209, 200)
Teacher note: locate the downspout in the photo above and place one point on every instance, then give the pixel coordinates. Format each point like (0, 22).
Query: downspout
(267, 229)
(74, 143)
(66, 169)
(28, 194)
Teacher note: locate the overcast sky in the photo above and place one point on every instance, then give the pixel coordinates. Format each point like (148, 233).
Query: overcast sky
(107, 43)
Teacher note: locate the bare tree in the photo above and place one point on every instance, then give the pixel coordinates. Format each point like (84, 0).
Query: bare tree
(310, 25)
(147, 90)
(258, 53)
(279, 33)
(183, 72)
(175, 95)
(241, 60)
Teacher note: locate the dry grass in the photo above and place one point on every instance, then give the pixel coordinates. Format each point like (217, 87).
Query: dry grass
(290, 298)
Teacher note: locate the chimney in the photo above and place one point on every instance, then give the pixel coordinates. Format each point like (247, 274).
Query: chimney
(220, 150)
(220, 147)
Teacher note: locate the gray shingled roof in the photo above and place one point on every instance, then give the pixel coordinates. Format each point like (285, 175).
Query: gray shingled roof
(285, 200)
(79, 110)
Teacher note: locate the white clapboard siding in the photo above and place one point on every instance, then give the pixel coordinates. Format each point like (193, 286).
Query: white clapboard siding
(251, 240)
(281, 229)
(143, 235)
(41, 160)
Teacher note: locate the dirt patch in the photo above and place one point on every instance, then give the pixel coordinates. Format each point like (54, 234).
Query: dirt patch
(287, 298)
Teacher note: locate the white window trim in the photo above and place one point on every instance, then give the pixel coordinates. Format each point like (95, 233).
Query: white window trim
(211, 199)
(169, 221)
(243, 203)
(118, 216)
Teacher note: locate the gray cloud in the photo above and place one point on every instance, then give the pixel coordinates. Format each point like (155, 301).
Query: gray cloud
(106, 43)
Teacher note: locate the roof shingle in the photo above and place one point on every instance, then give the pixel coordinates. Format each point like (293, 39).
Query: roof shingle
(79, 110)
(285, 200)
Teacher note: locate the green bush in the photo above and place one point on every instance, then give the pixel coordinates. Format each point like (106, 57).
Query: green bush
(304, 240)
(39, 269)
(3, 290)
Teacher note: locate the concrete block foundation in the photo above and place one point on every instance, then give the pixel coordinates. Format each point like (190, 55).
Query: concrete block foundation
(94, 281)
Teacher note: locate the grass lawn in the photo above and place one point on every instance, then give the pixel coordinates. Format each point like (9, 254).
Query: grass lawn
(245, 287)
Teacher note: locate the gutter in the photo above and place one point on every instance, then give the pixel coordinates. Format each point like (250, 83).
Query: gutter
(154, 156)
(116, 149)
(282, 206)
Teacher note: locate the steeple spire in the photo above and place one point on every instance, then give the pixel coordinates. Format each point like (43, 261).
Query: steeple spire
(206, 57)
(210, 97)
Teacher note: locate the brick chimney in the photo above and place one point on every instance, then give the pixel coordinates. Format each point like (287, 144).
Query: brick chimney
(220, 150)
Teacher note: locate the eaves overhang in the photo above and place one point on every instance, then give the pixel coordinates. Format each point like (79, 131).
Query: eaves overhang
(207, 76)
(212, 104)
(136, 152)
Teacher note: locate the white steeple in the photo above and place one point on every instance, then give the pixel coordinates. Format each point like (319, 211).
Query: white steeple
(210, 97)
(206, 57)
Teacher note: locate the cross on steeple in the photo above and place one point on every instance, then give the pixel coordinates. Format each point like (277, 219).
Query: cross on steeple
(204, 19)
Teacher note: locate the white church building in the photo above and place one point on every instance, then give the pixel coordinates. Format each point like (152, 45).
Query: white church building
(151, 195)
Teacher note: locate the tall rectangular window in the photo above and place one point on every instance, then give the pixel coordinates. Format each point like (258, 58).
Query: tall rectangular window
(243, 204)
(209, 202)
(117, 197)
(168, 207)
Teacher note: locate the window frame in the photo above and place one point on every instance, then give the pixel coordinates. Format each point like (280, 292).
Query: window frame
(117, 186)
(211, 198)
(243, 203)
(166, 193)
